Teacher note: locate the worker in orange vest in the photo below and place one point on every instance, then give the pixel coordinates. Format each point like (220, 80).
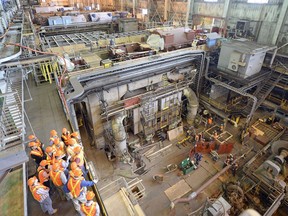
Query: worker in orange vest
(90, 208)
(210, 122)
(79, 158)
(65, 136)
(50, 154)
(59, 146)
(58, 178)
(58, 159)
(76, 188)
(75, 135)
(36, 152)
(41, 194)
(33, 138)
(53, 136)
(43, 173)
(70, 149)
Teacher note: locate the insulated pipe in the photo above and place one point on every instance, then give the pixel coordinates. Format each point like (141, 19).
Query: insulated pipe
(192, 105)
(119, 134)
(217, 82)
(204, 186)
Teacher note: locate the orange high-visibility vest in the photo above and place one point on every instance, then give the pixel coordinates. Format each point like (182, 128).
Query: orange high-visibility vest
(89, 210)
(81, 158)
(37, 153)
(50, 159)
(34, 189)
(60, 162)
(41, 176)
(74, 187)
(56, 179)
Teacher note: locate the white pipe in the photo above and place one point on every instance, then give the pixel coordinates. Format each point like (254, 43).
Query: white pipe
(119, 134)
(192, 105)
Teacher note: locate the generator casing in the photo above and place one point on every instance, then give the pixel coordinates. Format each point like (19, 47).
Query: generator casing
(241, 58)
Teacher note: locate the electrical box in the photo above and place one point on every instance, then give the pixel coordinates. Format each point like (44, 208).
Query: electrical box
(241, 58)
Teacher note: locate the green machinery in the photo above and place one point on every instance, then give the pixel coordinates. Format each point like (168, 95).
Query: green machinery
(187, 166)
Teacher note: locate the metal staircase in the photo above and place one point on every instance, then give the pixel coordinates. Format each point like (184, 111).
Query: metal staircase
(12, 127)
(263, 91)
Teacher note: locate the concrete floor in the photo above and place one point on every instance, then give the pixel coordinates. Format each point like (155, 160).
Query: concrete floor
(45, 113)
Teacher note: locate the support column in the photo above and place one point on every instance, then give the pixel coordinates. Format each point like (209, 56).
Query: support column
(190, 6)
(121, 5)
(280, 22)
(166, 5)
(225, 14)
(134, 6)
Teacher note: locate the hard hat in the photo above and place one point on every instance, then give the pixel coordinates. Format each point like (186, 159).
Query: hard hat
(73, 166)
(56, 141)
(74, 134)
(77, 149)
(72, 141)
(32, 144)
(31, 137)
(43, 163)
(90, 195)
(77, 172)
(64, 130)
(53, 133)
(49, 149)
(58, 153)
(31, 181)
(56, 166)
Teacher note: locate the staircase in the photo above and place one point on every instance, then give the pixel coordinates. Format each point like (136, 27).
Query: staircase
(12, 127)
(262, 92)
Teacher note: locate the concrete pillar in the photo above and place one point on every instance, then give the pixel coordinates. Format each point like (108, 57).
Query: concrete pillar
(121, 5)
(190, 4)
(225, 14)
(166, 6)
(280, 21)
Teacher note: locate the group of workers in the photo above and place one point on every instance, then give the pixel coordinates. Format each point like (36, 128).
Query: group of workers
(61, 166)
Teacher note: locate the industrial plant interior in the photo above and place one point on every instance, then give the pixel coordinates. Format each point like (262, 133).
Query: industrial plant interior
(144, 107)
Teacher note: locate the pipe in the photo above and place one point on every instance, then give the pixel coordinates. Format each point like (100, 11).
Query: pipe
(204, 186)
(119, 134)
(217, 82)
(192, 105)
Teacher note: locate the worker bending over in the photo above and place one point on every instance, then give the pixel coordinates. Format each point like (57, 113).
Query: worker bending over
(90, 208)
(41, 194)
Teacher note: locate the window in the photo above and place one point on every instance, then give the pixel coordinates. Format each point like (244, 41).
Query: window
(210, 0)
(258, 1)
